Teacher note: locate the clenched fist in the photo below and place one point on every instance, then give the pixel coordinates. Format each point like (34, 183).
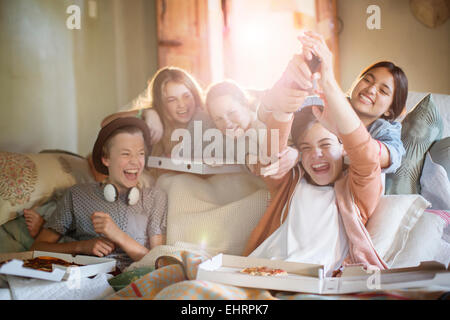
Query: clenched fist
(105, 226)
(100, 247)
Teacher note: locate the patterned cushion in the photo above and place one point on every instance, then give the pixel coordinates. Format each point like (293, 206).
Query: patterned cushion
(420, 128)
(28, 180)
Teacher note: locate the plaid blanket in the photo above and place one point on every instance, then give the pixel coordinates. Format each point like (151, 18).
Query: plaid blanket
(175, 280)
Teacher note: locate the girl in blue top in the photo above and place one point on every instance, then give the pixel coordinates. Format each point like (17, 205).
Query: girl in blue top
(379, 97)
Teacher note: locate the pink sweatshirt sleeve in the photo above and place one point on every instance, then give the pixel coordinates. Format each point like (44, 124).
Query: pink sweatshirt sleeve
(364, 170)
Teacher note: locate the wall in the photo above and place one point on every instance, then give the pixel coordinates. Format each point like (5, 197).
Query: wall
(37, 96)
(56, 84)
(114, 56)
(423, 53)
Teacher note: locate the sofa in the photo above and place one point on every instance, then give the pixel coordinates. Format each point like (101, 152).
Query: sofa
(215, 214)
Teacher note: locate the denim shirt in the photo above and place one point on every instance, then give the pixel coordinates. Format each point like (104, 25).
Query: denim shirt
(389, 133)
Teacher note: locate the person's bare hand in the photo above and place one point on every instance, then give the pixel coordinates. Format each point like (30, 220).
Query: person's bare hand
(154, 124)
(297, 74)
(323, 115)
(34, 221)
(314, 43)
(105, 226)
(283, 98)
(287, 159)
(99, 247)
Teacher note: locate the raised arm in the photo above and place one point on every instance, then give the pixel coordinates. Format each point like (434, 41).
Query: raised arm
(338, 116)
(276, 112)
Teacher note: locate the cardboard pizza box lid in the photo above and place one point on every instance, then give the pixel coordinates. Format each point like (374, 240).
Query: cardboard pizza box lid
(91, 266)
(424, 266)
(226, 269)
(308, 278)
(197, 167)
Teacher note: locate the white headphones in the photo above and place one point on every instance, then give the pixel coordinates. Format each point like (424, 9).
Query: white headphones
(111, 194)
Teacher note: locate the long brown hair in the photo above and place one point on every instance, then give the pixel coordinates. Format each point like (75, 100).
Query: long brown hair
(174, 74)
(400, 87)
(155, 90)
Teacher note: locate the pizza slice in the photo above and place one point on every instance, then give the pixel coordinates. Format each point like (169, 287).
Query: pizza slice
(44, 263)
(264, 271)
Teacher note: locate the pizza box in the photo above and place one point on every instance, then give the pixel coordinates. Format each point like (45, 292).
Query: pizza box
(309, 278)
(198, 167)
(92, 266)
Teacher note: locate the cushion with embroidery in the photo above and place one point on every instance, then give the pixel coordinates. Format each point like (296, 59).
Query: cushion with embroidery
(30, 180)
(421, 127)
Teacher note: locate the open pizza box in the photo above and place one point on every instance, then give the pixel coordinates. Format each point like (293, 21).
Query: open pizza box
(197, 167)
(91, 266)
(309, 278)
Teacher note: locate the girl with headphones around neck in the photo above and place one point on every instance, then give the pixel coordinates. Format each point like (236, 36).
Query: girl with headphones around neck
(117, 218)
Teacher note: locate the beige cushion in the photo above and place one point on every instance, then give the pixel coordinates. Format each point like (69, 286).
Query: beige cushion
(29, 180)
(390, 224)
(216, 213)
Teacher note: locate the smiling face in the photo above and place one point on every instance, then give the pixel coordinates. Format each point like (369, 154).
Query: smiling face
(179, 102)
(373, 95)
(322, 154)
(229, 115)
(125, 159)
